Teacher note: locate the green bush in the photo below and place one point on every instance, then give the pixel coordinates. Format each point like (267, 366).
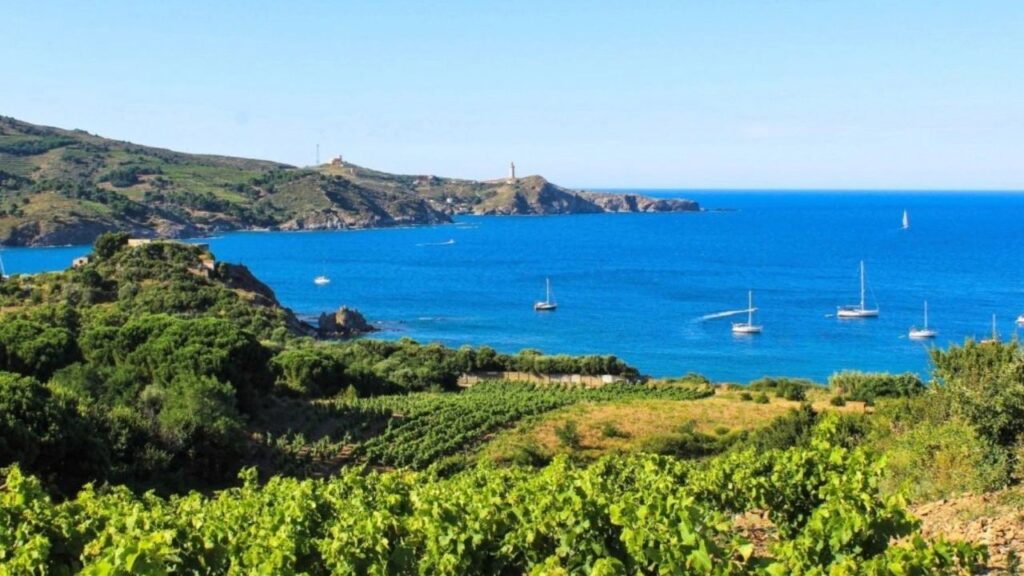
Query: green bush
(837, 400)
(568, 435)
(867, 386)
(610, 430)
(789, 388)
(936, 460)
(985, 383)
(761, 398)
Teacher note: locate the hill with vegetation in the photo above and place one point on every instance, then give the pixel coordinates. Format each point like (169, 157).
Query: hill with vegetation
(68, 186)
(161, 413)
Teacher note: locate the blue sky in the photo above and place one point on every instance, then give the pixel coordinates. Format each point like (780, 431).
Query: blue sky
(698, 94)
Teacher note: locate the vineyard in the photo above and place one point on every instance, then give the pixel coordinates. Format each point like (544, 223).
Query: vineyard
(626, 514)
(425, 427)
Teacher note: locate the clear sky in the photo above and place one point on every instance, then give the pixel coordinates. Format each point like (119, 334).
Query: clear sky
(702, 93)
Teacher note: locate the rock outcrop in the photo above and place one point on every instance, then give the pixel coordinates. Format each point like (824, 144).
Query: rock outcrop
(345, 323)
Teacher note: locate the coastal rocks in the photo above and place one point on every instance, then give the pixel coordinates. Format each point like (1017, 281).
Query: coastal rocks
(535, 195)
(392, 215)
(345, 323)
(637, 203)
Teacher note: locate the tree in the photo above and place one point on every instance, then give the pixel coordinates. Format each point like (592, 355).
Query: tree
(109, 243)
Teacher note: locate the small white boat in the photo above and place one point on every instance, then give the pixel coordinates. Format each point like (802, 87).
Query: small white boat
(1020, 320)
(906, 221)
(321, 280)
(925, 332)
(860, 310)
(546, 305)
(3, 274)
(747, 327)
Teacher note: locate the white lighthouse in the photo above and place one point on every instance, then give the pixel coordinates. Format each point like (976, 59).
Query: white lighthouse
(511, 172)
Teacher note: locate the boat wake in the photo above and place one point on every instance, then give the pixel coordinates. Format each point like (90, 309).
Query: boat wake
(445, 243)
(725, 314)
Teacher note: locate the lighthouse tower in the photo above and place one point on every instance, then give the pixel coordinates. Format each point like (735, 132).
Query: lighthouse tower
(511, 172)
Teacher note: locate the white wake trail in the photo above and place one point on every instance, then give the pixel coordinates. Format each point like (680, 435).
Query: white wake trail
(724, 314)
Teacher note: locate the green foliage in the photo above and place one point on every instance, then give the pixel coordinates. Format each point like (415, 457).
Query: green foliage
(868, 386)
(309, 370)
(109, 243)
(761, 398)
(30, 146)
(568, 435)
(422, 428)
(610, 430)
(622, 515)
(34, 348)
(788, 388)
(837, 400)
(985, 383)
(44, 432)
(935, 460)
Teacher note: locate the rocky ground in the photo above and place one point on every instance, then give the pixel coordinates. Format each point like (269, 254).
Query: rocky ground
(995, 519)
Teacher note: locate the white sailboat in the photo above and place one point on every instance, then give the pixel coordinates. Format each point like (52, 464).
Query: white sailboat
(747, 327)
(860, 310)
(906, 221)
(925, 332)
(3, 274)
(547, 305)
(321, 280)
(1020, 320)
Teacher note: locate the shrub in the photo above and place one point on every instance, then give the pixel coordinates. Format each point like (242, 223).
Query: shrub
(935, 460)
(793, 428)
(789, 388)
(868, 386)
(761, 398)
(746, 396)
(986, 387)
(837, 400)
(610, 430)
(568, 435)
(109, 243)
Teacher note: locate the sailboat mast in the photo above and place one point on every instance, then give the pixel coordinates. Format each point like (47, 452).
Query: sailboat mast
(547, 283)
(862, 285)
(925, 314)
(750, 306)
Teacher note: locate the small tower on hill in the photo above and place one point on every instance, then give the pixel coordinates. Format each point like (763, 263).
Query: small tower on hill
(511, 172)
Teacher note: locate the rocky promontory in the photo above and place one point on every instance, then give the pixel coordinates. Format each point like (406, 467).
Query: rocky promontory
(68, 186)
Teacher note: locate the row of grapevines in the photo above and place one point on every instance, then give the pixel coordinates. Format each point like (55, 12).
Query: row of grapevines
(634, 514)
(427, 426)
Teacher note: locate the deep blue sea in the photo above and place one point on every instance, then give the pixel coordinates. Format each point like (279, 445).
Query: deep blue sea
(637, 285)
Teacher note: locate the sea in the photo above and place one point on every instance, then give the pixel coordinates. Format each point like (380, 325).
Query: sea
(652, 288)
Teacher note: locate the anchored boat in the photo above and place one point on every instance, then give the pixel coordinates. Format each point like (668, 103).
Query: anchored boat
(860, 310)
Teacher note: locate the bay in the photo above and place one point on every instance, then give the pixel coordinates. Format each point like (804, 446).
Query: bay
(638, 285)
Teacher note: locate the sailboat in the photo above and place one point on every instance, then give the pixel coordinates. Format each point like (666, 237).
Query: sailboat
(906, 221)
(322, 279)
(747, 327)
(925, 332)
(858, 311)
(1020, 320)
(547, 305)
(3, 274)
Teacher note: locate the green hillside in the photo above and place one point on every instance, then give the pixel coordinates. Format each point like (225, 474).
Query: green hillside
(68, 186)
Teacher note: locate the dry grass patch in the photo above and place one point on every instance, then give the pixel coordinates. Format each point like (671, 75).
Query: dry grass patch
(623, 426)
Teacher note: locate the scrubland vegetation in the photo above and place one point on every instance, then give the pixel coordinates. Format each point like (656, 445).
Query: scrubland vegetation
(159, 415)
